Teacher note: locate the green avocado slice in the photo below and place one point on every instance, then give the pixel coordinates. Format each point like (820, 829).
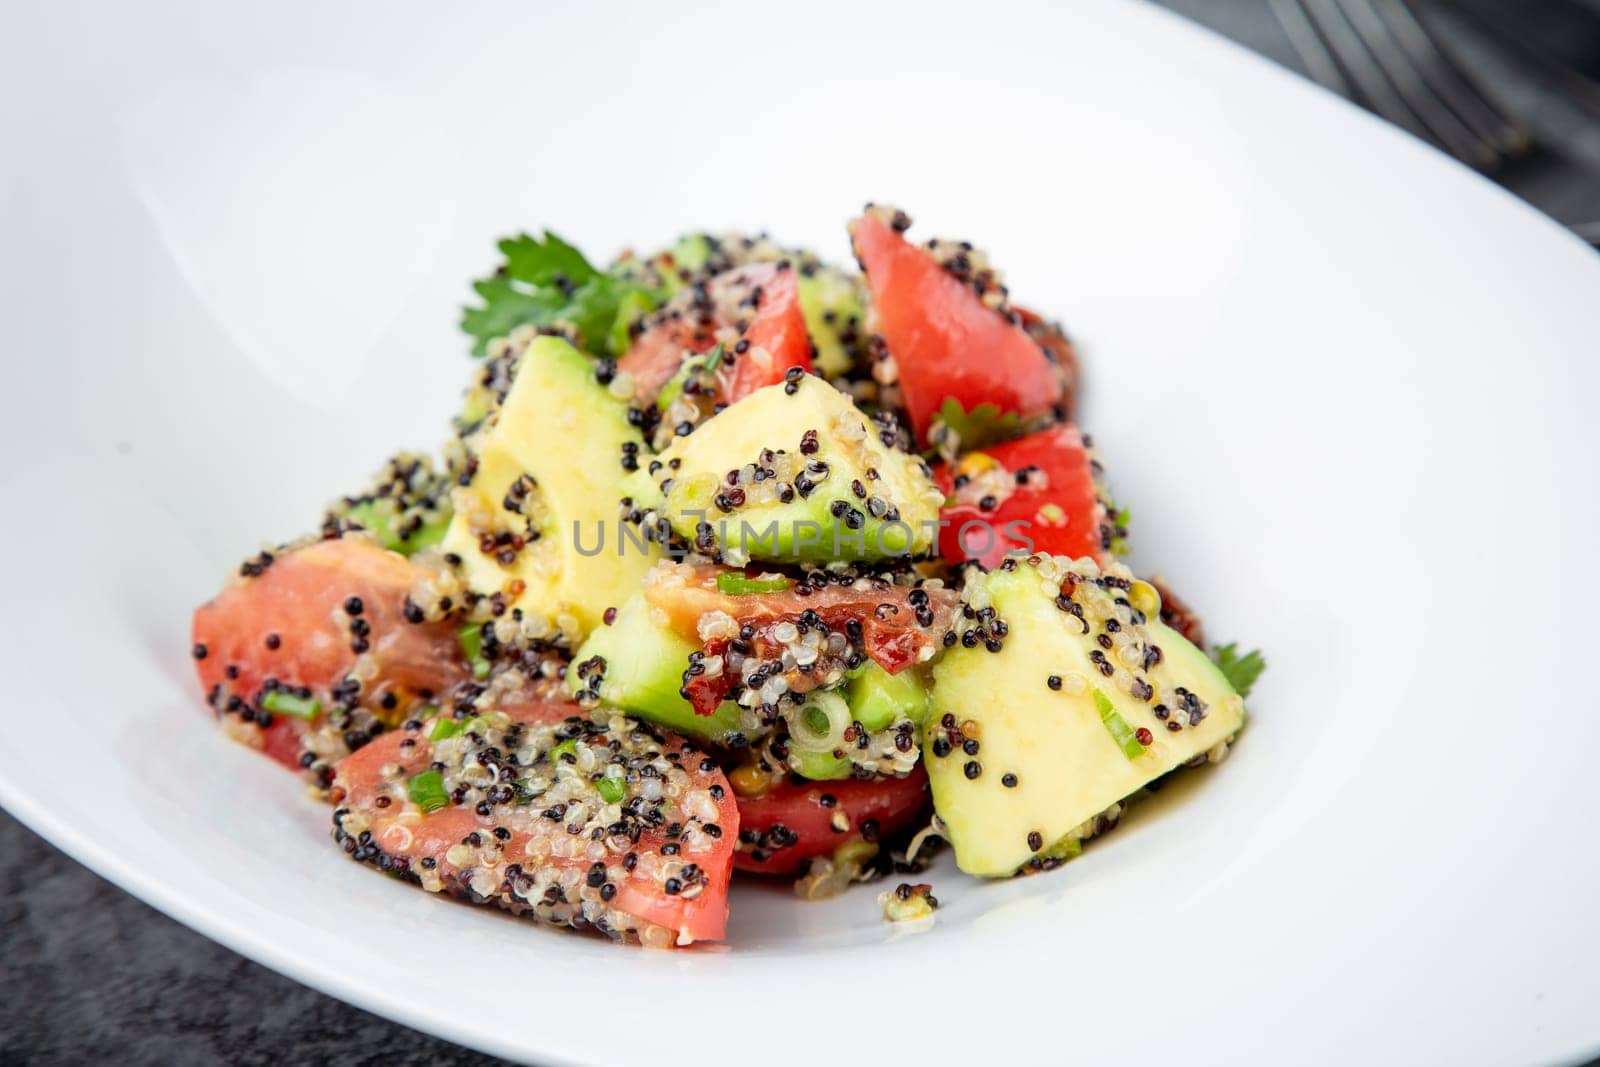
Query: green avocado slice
(1055, 727)
(545, 470)
(636, 665)
(811, 481)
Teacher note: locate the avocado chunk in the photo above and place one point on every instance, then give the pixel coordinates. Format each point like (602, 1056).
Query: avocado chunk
(405, 505)
(791, 473)
(1056, 726)
(635, 664)
(832, 304)
(877, 698)
(536, 520)
(397, 529)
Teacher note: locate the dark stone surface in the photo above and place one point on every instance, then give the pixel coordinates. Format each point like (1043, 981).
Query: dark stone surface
(89, 974)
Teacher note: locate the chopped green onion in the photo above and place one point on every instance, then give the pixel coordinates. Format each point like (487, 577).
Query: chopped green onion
(735, 584)
(816, 720)
(471, 638)
(427, 791)
(1117, 727)
(611, 789)
(569, 747)
(444, 727)
(281, 702)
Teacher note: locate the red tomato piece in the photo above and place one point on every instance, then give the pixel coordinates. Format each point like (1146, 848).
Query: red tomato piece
(301, 619)
(1035, 494)
(1178, 614)
(947, 343)
(757, 305)
(894, 625)
(1059, 347)
(668, 864)
(793, 821)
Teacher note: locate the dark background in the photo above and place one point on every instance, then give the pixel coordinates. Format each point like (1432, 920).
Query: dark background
(89, 973)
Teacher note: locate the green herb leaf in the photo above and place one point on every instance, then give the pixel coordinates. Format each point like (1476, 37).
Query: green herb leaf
(735, 584)
(280, 702)
(1240, 670)
(507, 305)
(985, 424)
(547, 281)
(545, 262)
(1117, 726)
(426, 791)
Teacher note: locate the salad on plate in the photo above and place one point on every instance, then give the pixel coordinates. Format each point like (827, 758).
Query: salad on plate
(735, 560)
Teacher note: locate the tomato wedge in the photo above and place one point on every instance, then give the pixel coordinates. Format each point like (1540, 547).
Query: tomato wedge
(298, 621)
(947, 342)
(1035, 494)
(753, 310)
(894, 625)
(795, 820)
(547, 813)
(1053, 339)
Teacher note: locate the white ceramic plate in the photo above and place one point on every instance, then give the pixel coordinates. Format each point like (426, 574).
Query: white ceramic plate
(1345, 386)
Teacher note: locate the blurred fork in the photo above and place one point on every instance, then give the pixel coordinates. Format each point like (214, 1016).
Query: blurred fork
(1379, 53)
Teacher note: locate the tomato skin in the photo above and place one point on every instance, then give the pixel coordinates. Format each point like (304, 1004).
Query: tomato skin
(430, 835)
(1065, 479)
(798, 807)
(1178, 614)
(285, 624)
(947, 343)
(885, 617)
(777, 327)
(1058, 346)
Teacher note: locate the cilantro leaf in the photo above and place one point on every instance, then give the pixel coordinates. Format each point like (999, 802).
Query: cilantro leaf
(507, 306)
(985, 424)
(545, 262)
(545, 281)
(1240, 670)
